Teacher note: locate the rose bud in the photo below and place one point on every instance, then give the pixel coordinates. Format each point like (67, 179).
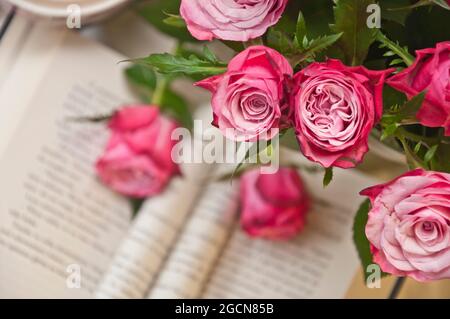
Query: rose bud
(431, 73)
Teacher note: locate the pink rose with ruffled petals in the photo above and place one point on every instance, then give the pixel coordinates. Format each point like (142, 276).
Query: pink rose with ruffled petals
(249, 100)
(137, 160)
(235, 20)
(335, 108)
(274, 206)
(409, 225)
(430, 72)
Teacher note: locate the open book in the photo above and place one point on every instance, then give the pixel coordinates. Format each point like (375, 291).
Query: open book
(186, 243)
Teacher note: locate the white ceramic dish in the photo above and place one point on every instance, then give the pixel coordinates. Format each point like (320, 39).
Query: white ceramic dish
(58, 9)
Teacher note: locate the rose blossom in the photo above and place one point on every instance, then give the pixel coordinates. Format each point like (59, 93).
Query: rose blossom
(335, 108)
(430, 72)
(137, 161)
(250, 97)
(235, 20)
(273, 205)
(409, 225)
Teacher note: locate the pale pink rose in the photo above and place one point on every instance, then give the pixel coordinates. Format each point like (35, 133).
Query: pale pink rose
(409, 225)
(430, 72)
(274, 206)
(335, 108)
(250, 97)
(235, 20)
(137, 160)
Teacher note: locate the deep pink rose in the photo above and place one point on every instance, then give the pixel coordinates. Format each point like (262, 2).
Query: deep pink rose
(235, 20)
(430, 72)
(335, 108)
(409, 225)
(250, 97)
(137, 160)
(274, 206)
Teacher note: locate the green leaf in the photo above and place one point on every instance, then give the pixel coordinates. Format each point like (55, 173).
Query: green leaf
(328, 176)
(301, 31)
(411, 107)
(417, 147)
(321, 43)
(175, 21)
(314, 47)
(176, 106)
(394, 49)
(429, 155)
(210, 56)
(351, 19)
(389, 131)
(440, 160)
(166, 63)
(407, 111)
(153, 12)
(279, 41)
(359, 236)
(141, 75)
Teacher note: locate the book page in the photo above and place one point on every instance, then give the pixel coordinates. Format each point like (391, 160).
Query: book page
(319, 263)
(200, 243)
(57, 220)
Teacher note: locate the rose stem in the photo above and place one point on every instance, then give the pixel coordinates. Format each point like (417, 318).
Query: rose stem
(399, 282)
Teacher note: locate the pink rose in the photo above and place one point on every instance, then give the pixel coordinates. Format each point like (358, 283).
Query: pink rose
(137, 161)
(250, 97)
(335, 108)
(235, 20)
(430, 72)
(274, 206)
(409, 225)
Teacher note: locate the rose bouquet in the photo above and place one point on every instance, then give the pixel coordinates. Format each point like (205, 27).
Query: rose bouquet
(331, 73)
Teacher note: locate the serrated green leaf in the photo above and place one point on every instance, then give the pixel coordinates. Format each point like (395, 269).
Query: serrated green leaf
(411, 107)
(394, 48)
(327, 176)
(314, 47)
(166, 63)
(351, 19)
(407, 111)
